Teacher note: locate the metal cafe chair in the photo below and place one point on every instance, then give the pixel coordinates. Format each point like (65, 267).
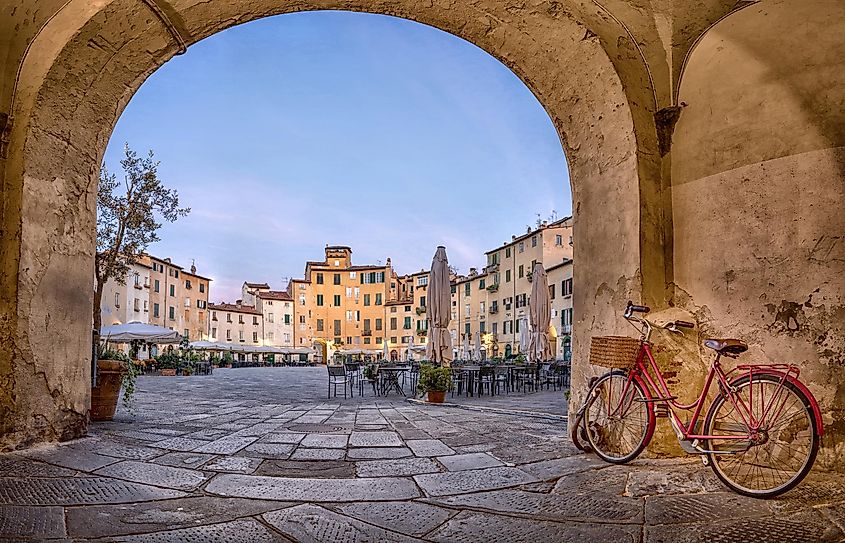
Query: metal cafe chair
(338, 376)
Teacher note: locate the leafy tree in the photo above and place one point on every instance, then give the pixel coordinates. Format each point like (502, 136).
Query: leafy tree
(128, 218)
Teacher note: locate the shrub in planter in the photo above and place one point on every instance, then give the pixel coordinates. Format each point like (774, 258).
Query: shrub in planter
(115, 370)
(435, 381)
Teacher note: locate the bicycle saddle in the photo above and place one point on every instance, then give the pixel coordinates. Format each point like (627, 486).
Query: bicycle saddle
(726, 346)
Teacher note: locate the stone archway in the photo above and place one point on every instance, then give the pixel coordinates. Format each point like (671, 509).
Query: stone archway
(609, 74)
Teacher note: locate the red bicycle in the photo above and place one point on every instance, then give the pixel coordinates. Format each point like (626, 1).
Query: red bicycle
(761, 432)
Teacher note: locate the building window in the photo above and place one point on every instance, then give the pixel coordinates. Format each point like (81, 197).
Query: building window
(302, 318)
(348, 292)
(240, 319)
(172, 313)
(507, 276)
(481, 284)
(187, 283)
(228, 335)
(366, 299)
(337, 329)
(337, 300)
(379, 324)
(337, 279)
(270, 336)
(422, 281)
(367, 325)
(269, 317)
(481, 308)
(495, 328)
(214, 333)
(319, 300)
(201, 304)
(187, 333)
(156, 285)
(566, 287)
(558, 240)
(240, 335)
(202, 287)
(319, 325)
(287, 318)
(407, 308)
(146, 306)
(481, 327)
(521, 246)
(352, 275)
(507, 252)
(552, 291)
(228, 317)
(255, 337)
(319, 278)
(117, 299)
(378, 298)
(407, 325)
(173, 290)
(467, 310)
(366, 340)
(155, 310)
(254, 320)
(467, 329)
(422, 301)
(137, 305)
(533, 241)
(466, 289)
(187, 302)
(393, 324)
(521, 271)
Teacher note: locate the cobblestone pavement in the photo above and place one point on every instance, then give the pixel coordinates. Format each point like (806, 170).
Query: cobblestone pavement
(262, 455)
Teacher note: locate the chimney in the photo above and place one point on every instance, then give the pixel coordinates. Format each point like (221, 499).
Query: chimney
(193, 267)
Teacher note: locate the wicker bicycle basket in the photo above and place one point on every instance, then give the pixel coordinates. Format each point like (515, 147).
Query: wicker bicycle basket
(614, 351)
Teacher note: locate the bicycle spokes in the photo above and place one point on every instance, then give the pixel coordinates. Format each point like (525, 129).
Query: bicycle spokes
(617, 419)
(766, 436)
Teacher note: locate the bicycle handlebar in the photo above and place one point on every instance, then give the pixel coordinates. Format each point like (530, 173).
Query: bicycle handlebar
(684, 324)
(631, 308)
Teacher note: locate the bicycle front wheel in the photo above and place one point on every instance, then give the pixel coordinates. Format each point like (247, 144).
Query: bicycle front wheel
(618, 420)
(779, 454)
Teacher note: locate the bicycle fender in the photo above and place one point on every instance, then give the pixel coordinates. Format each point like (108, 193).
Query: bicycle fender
(814, 405)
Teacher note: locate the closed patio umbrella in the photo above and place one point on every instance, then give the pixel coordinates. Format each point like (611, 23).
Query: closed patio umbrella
(476, 353)
(386, 350)
(409, 349)
(439, 346)
(540, 313)
(524, 335)
(465, 352)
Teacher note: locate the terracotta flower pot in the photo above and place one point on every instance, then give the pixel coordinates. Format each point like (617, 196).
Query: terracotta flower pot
(104, 396)
(436, 396)
(169, 372)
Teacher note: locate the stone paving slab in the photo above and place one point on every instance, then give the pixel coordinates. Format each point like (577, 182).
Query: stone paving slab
(226, 445)
(325, 441)
(807, 527)
(429, 447)
(291, 438)
(115, 520)
(462, 462)
(321, 468)
(15, 466)
(72, 456)
(410, 518)
(277, 451)
(375, 439)
(313, 490)
(79, 491)
(678, 481)
(713, 506)
(227, 532)
(400, 467)
(461, 482)
(364, 453)
(184, 444)
(474, 526)
(155, 474)
(303, 453)
(589, 507)
(314, 523)
(31, 522)
(184, 459)
(233, 464)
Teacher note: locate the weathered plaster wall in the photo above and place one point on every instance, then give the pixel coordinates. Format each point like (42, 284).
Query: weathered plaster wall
(79, 75)
(758, 185)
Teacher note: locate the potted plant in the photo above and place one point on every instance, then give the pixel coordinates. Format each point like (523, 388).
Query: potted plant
(227, 360)
(167, 363)
(435, 381)
(115, 370)
(215, 360)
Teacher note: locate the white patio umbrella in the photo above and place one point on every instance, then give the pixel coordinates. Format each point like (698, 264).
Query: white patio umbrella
(132, 331)
(439, 346)
(540, 312)
(409, 349)
(524, 335)
(386, 350)
(476, 352)
(465, 351)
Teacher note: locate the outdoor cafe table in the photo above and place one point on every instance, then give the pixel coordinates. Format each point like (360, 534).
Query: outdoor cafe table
(390, 378)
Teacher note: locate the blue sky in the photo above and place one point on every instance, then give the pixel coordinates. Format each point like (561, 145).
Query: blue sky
(386, 135)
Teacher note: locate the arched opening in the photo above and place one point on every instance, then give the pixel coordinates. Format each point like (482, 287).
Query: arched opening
(70, 119)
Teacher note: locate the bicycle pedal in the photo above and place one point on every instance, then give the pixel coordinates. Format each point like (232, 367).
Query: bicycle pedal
(661, 411)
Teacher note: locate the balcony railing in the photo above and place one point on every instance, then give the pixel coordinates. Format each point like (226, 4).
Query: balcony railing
(493, 287)
(566, 329)
(367, 333)
(492, 268)
(494, 309)
(422, 333)
(420, 310)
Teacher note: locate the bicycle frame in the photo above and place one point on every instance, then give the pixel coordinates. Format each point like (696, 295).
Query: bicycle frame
(657, 391)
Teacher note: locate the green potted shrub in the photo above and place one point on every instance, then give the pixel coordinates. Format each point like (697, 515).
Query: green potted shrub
(227, 360)
(215, 360)
(435, 381)
(167, 363)
(115, 370)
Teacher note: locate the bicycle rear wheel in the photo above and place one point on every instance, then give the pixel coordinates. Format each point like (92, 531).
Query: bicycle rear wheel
(618, 420)
(782, 452)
